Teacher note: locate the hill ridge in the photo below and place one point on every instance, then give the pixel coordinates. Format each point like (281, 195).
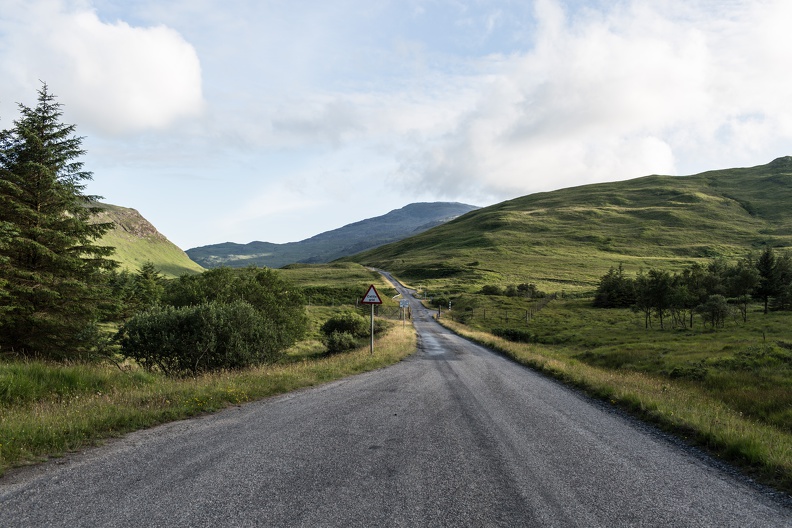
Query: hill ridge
(335, 243)
(137, 241)
(571, 236)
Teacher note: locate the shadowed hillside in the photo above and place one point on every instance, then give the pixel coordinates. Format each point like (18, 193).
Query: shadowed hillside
(566, 240)
(331, 245)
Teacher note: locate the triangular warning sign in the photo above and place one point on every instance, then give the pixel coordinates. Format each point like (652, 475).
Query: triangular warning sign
(371, 297)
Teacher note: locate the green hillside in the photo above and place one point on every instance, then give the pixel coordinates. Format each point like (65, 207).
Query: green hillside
(566, 240)
(137, 241)
(330, 245)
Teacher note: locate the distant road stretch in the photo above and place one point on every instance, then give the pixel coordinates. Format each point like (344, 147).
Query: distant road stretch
(453, 436)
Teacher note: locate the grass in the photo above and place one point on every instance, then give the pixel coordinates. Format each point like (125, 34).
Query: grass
(728, 390)
(47, 410)
(336, 284)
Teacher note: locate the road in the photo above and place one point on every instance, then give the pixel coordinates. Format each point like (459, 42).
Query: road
(453, 436)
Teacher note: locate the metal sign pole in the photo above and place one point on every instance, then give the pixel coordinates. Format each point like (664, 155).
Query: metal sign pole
(372, 329)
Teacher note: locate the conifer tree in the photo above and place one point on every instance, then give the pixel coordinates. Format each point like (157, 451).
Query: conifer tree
(768, 281)
(50, 267)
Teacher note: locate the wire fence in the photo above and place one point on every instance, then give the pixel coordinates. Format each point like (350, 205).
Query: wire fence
(502, 315)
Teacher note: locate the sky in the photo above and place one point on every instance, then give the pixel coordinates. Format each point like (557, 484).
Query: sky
(275, 120)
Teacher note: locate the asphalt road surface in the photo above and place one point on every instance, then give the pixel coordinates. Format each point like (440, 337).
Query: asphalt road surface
(453, 436)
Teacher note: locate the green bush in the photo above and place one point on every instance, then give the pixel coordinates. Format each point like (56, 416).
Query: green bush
(491, 289)
(346, 322)
(278, 300)
(380, 326)
(207, 337)
(515, 334)
(345, 331)
(340, 342)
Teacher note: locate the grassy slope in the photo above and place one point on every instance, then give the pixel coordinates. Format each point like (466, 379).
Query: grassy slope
(137, 241)
(567, 239)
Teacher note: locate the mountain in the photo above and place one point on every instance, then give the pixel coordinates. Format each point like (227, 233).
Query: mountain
(566, 240)
(331, 245)
(137, 241)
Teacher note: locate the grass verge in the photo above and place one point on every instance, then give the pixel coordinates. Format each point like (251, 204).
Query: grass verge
(47, 410)
(762, 451)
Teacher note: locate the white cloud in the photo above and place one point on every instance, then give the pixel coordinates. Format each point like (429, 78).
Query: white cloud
(113, 78)
(603, 95)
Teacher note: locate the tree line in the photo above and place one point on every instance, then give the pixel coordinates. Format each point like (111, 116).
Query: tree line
(60, 289)
(710, 291)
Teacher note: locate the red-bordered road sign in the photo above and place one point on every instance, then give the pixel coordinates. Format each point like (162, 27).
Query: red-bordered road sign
(371, 297)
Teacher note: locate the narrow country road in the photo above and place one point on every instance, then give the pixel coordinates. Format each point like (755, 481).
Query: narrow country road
(453, 436)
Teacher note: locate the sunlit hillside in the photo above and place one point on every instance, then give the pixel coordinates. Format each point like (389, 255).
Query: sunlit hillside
(566, 240)
(137, 241)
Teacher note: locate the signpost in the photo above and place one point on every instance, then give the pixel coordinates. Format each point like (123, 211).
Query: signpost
(372, 298)
(404, 304)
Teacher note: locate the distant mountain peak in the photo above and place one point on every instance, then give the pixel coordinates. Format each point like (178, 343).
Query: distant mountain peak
(330, 245)
(128, 221)
(784, 162)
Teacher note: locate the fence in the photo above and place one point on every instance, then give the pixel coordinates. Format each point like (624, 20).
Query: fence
(504, 315)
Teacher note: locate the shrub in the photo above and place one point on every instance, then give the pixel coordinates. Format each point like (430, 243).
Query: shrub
(440, 301)
(530, 290)
(514, 334)
(491, 289)
(195, 339)
(278, 300)
(344, 331)
(380, 326)
(340, 342)
(346, 322)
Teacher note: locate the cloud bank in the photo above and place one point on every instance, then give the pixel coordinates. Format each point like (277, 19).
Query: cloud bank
(114, 78)
(641, 88)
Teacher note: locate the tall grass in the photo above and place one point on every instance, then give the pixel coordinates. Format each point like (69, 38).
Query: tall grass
(50, 409)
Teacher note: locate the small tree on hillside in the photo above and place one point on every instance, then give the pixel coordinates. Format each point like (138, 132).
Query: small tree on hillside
(768, 282)
(615, 290)
(643, 298)
(741, 282)
(714, 311)
(782, 297)
(660, 293)
(149, 285)
(49, 263)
